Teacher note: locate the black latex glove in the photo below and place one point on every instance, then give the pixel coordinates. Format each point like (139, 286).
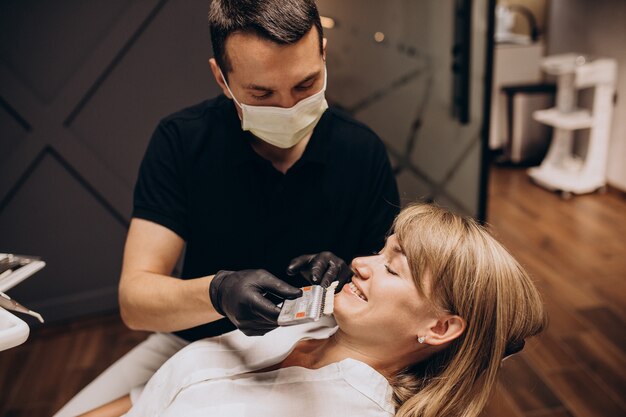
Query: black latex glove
(240, 296)
(321, 269)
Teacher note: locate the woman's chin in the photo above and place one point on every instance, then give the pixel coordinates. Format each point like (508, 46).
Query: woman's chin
(342, 307)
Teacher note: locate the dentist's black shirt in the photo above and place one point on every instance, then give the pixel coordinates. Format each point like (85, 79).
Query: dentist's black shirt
(201, 178)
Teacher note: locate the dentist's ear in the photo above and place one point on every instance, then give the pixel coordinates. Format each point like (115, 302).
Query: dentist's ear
(444, 329)
(324, 42)
(215, 69)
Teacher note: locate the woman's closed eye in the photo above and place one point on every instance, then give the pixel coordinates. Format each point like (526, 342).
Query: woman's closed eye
(391, 271)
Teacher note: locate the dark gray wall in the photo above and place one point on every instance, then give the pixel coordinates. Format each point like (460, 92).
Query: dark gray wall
(82, 86)
(402, 88)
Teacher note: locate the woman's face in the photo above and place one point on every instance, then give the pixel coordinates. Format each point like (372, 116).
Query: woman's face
(382, 303)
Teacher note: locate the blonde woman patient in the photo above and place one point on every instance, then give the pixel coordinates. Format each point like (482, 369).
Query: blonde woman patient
(420, 331)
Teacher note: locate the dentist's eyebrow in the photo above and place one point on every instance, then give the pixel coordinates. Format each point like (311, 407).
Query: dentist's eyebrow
(309, 77)
(258, 87)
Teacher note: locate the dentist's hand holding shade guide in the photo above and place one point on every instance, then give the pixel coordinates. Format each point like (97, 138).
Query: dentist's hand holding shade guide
(328, 273)
(321, 269)
(315, 303)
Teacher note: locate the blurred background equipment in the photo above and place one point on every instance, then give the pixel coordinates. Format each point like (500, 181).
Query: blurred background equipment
(562, 170)
(518, 86)
(526, 140)
(505, 23)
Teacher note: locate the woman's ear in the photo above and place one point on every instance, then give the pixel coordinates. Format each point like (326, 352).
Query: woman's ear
(215, 69)
(444, 329)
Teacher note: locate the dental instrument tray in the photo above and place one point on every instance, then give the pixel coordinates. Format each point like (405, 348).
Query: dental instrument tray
(16, 268)
(315, 302)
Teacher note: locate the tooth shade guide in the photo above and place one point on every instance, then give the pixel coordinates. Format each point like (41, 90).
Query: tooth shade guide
(315, 302)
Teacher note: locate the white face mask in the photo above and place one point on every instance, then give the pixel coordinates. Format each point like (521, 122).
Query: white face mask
(279, 126)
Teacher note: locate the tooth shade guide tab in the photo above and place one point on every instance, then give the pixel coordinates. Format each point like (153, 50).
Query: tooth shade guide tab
(329, 299)
(315, 302)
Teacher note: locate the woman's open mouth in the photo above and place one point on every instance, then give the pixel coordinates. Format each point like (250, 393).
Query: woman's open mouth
(356, 291)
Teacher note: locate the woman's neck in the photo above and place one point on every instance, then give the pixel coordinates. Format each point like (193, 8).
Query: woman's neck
(315, 354)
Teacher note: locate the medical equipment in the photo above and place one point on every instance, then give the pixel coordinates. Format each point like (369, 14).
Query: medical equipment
(505, 22)
(561, 170)
(13, 270)
(13, 331)
(16, 268)
(315, 302)
(8, 303)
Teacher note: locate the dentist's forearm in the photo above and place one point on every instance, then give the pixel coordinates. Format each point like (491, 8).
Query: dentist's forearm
(115, 408)
(153, 302)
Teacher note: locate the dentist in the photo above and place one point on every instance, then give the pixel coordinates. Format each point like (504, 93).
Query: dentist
(241, 186)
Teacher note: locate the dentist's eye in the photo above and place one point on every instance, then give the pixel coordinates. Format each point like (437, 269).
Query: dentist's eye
(304, 87)
(262, 96)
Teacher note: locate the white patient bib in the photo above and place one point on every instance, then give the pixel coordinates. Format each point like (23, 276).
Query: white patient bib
(211, 377)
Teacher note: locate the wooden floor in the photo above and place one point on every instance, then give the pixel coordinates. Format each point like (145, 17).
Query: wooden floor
(41, 375)
(576, 251)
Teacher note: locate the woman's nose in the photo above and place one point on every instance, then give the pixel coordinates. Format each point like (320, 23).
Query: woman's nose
(362, 267)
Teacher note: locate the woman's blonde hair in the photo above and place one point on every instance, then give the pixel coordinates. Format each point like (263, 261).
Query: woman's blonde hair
(473, 276)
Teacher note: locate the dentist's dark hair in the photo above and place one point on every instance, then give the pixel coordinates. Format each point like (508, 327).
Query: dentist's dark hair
(281, 21)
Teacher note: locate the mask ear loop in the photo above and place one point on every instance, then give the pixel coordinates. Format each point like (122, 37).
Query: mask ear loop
(228, 88)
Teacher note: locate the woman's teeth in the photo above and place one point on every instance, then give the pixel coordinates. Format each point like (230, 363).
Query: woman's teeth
(357, 291)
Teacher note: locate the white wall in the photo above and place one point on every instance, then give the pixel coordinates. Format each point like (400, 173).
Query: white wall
(596, 28)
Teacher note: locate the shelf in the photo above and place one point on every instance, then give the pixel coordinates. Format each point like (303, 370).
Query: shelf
(580, 119)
